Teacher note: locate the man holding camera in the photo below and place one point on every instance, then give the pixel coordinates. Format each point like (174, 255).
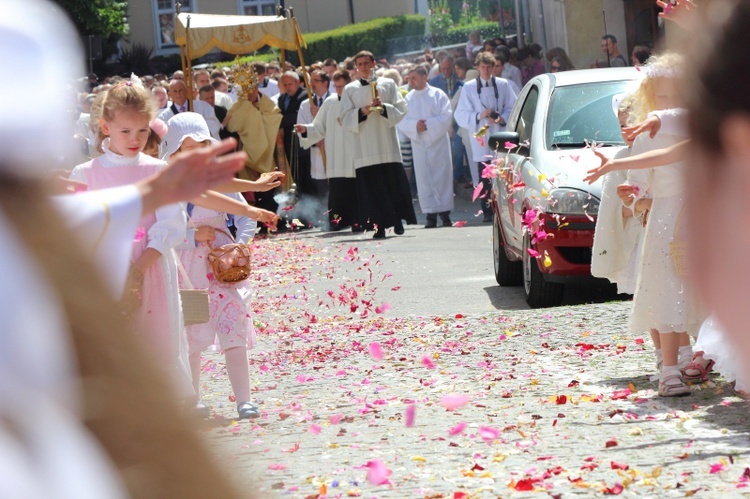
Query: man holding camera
(483, 109)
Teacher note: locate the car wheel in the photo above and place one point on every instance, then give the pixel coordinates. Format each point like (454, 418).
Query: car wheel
(539, 292)
(507, 272)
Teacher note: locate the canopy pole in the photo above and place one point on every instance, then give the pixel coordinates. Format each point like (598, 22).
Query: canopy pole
(189, 74)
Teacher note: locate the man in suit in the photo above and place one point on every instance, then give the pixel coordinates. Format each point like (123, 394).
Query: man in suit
(178, 95)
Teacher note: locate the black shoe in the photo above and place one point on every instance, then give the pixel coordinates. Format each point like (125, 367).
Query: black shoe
(379, 234)
(487, 218)
(446, 219)
(431, 221)
(358, 228)
(398, 228)
(246, 410)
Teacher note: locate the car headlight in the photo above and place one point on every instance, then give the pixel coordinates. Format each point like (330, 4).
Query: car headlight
(565, 201)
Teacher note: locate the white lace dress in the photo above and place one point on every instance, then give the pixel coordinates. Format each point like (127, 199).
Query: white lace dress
(663, 300)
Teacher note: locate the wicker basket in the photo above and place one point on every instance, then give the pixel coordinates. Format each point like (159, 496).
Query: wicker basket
(678, 250)
(229, 263)
(194, 306)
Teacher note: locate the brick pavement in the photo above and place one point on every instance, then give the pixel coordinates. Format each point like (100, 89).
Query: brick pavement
(558, 400)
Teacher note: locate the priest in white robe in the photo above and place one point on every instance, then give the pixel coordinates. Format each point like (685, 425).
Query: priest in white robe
(483, 109)
(338, 144)
(427, 123)
(382, 187)
(309, 108)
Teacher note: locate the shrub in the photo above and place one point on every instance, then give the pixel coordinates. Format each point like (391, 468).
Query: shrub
(460, 34)
(376, 35)
(136, 59)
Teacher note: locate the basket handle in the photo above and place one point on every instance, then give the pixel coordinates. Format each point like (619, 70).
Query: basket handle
(181, 269)
(222, 231)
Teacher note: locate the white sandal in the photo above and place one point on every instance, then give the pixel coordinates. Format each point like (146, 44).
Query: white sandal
(668, 388)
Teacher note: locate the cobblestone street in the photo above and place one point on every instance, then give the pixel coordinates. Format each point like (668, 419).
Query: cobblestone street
(359, 401)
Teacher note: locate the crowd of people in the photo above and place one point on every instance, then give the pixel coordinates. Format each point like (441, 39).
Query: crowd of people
(95, 338)
(323, 163)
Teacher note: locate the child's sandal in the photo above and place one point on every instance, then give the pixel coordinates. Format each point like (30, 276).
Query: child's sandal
(673, 386)
(695, 371)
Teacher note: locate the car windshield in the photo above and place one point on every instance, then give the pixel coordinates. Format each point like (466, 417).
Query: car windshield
(583, 113)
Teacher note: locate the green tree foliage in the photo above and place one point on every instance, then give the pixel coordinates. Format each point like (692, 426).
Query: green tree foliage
(98, 17)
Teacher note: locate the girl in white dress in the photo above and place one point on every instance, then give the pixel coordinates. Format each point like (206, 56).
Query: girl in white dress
(230, 314)
(663, 300)
(618, 233)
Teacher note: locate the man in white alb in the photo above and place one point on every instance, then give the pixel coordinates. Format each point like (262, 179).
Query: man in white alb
(319, 81)
(382, 187)
(343, 210)
(483, 109)
(427, 122)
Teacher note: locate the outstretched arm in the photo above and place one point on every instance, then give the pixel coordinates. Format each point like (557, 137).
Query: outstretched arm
(266, 182)
(189, 174)
(651, 159)
(220, 202)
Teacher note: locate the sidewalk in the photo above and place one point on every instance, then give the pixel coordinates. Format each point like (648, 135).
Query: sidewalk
(556, 400)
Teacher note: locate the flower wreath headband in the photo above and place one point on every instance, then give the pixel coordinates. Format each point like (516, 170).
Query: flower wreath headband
(661, 72)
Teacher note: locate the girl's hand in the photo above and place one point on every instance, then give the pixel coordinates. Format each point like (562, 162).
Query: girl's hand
(652, 125)
(604, 167)
(205, 233)
(269, 180)
(676, 11)
(269, 218)
(627, 193)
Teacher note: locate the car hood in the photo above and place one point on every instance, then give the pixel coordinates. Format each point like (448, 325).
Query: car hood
(568, 167)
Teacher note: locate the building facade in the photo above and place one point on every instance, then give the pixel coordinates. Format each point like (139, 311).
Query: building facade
(152, 21)
(578, 26)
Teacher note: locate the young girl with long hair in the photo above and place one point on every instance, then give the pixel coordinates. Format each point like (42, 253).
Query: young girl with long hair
(663, 302)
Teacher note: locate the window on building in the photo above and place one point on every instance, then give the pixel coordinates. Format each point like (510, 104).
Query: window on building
(165, 20)
(258, 7)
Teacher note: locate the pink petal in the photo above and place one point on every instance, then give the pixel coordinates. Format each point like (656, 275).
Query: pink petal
(409, 415)
(533, 252)
(375, 351)
(427, 362)
(477, 191)
(382, 308)
(459, 223)
(457, 430)
(716, 468)
(377, 473)
(510, 145)
(314, 429)
(488, 434)
(277, 466)
(140, 233)
(336, 418)
(454, 401)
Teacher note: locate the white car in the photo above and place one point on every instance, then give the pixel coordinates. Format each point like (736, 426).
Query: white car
(544, 214)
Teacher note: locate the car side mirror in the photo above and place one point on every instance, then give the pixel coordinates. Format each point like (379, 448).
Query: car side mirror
(498, 140)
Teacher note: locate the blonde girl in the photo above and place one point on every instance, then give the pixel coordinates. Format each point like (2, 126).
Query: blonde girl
(663, 302)
(151, 296)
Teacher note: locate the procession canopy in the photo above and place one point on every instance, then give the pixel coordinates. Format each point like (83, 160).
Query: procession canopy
(236, 34)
